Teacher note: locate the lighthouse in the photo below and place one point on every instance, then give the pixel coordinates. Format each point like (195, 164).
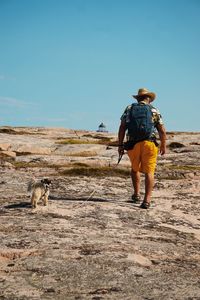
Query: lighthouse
(102, 128)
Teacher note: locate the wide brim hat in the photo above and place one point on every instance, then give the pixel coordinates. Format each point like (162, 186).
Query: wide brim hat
(144, 92)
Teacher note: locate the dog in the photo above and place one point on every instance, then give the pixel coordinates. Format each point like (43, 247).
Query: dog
(39, 190)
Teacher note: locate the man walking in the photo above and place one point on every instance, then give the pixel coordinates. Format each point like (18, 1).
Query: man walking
(139, 122)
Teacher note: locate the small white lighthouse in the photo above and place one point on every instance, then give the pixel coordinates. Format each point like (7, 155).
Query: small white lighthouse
(102, 128)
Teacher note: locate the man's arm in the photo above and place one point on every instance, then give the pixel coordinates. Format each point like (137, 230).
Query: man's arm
(121, 135)
(162, 136)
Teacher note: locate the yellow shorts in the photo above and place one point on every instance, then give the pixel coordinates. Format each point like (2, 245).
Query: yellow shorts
(143, 157)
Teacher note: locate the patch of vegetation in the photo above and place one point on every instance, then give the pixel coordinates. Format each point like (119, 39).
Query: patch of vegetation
(165, 176)
(182, 132)
(83, 154)
(184, 167)
(79, 164)
(23, 164)
(96, 141)
(22, 153)
(18, 132)
(96, 172)
(98, 137)
(7, 130)
(195, 144)
(113, 144)
(175, 145)
(75, 142)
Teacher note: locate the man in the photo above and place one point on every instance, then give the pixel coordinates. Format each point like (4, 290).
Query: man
(141, 146)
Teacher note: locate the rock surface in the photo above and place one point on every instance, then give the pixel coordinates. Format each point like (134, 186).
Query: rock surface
(90, 242)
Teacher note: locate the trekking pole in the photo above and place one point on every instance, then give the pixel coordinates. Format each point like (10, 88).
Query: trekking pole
(94, 191)
(76, 134)
(120, 157)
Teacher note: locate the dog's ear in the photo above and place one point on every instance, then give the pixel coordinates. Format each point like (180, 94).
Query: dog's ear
(46, 181)
(42, 180)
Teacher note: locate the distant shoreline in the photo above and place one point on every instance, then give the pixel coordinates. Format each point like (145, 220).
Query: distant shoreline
(86, 130)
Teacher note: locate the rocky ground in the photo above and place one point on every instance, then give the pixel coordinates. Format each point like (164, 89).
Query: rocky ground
(90, 242)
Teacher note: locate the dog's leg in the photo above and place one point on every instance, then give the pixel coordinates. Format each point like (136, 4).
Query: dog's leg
(45, 199)
(33, 201)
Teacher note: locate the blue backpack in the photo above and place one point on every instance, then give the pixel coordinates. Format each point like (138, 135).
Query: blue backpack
(141, 125)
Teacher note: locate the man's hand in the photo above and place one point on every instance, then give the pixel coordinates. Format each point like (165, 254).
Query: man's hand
(121, 134)
(162, 149)
(162, 135)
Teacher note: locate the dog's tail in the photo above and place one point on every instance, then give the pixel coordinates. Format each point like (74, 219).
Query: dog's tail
(31, 185)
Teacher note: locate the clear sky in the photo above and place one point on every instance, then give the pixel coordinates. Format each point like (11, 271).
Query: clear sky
(76, 63)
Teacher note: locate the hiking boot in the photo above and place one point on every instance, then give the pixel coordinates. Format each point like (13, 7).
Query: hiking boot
(135, 198)
(145, 205)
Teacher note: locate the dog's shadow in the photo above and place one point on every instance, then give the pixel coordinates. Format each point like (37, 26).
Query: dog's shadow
(18, 205)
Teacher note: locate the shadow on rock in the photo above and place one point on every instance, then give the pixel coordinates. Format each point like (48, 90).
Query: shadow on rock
(70, 198)
(18, 205)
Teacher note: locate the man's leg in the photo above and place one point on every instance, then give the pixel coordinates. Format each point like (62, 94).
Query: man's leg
(135, 176)
(149, 157)
(149, 184)
(134, 156)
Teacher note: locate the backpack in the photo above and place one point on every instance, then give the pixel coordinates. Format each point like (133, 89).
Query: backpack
(141, 125)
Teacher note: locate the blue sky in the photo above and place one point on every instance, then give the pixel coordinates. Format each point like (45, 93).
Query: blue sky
(76, 63)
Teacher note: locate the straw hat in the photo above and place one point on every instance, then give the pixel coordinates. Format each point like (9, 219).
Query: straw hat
(144, 92)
